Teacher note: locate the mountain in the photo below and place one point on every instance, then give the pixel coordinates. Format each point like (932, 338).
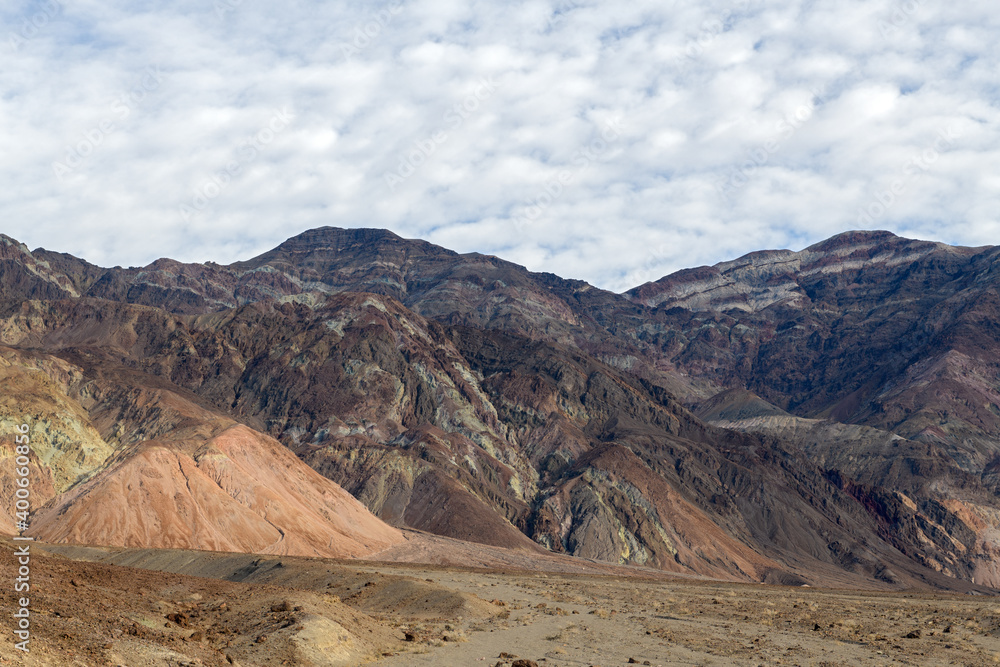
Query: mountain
(864, 329)
(822, 417)
(125, 459)
(471, 289)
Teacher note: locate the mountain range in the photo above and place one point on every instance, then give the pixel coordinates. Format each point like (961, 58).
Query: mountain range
(822, 417)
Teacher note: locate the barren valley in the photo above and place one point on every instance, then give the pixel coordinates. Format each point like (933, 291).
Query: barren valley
(263, 610)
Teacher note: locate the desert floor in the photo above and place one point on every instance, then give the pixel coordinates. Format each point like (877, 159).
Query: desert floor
(88, 610)
(572, 620)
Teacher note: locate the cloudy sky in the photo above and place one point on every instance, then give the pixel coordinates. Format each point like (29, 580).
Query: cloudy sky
(598, 140)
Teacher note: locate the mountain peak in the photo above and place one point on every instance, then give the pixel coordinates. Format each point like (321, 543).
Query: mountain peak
(12, 247)
(735, 404)
(875, 243)
(329, 246)
(766, 277)
(338, 237)
(856, 237)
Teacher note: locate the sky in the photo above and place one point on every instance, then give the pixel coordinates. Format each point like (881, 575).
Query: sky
(604, 141)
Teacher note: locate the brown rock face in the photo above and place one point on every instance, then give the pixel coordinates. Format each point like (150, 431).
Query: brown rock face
(844, 430)
(867, 329)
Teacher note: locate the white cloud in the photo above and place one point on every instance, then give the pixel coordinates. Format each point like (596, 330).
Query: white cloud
(742, 125)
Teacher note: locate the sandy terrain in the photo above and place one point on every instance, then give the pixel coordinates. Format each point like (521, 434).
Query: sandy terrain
(321, 612)
(563, 620)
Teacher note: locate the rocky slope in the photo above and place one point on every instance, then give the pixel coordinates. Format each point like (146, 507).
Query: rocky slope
(465, 396)
(467, 433)
(122, 458)
(869, 330)
(866, 327)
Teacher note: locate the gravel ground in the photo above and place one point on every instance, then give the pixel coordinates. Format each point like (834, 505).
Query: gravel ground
(268, 611)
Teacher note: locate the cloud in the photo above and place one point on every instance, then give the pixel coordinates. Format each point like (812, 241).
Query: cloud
(484, 126)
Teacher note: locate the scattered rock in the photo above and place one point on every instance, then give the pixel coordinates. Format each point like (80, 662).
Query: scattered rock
(179, 619)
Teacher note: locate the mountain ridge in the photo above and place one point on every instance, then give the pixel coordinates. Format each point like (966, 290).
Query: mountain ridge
(466, 396)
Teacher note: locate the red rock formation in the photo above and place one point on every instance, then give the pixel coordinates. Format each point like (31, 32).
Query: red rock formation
(238, 491)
